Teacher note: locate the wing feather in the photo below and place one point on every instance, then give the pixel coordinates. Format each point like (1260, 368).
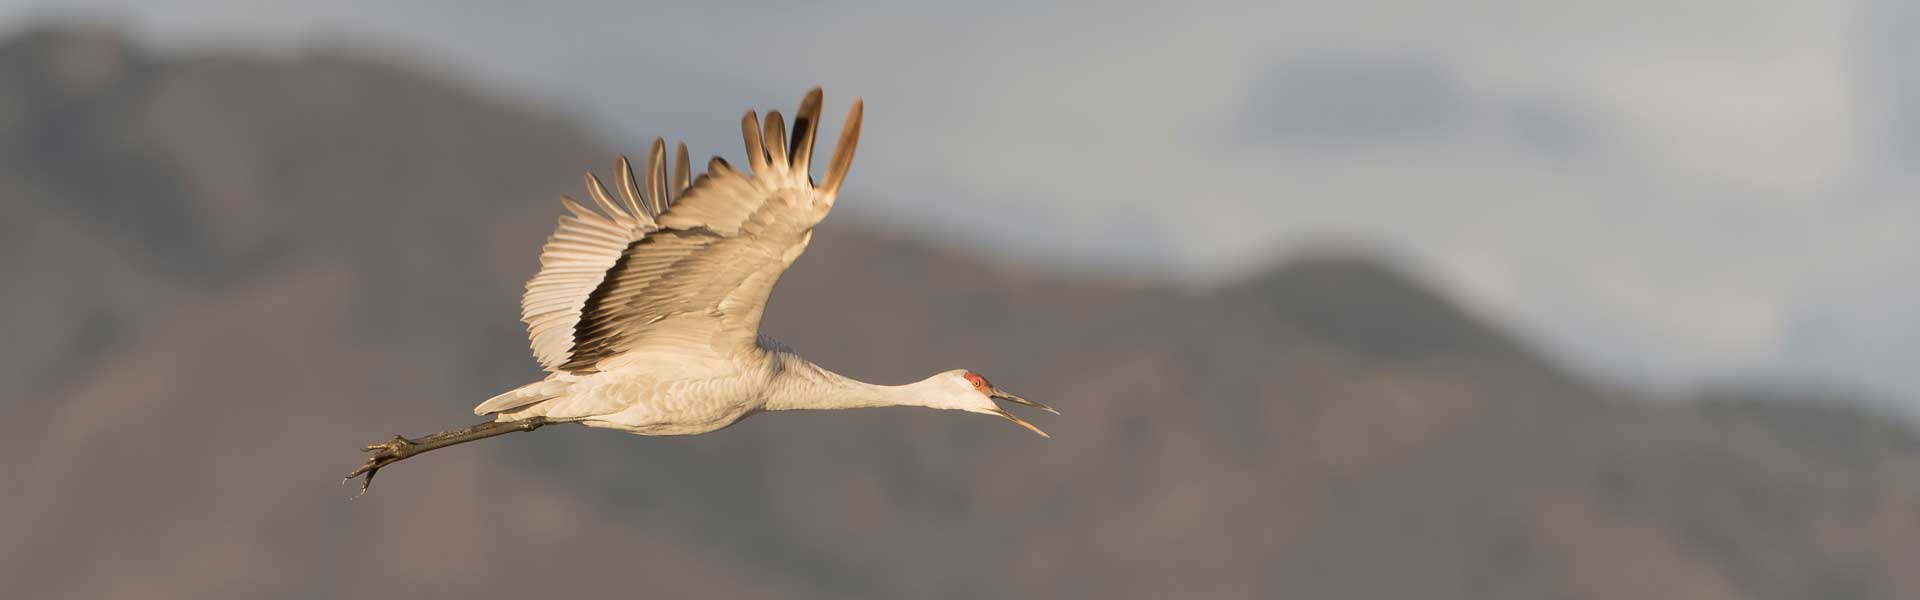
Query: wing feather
(756, 153)
(805, 123)
(843, 152)
(618, 215)
(680, 248)
(630, 190)
(681, 179)
(775, 141)
(657, 174)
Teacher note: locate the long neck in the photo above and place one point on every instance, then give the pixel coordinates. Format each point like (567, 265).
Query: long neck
(802, 385)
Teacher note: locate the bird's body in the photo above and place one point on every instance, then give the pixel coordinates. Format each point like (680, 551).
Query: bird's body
(646, 312)
(688, 394)
(678, 395)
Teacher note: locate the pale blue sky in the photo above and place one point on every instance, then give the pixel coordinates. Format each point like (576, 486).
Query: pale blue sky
(1672, 193)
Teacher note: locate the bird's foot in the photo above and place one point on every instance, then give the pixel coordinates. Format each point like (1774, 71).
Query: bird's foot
(385, 453)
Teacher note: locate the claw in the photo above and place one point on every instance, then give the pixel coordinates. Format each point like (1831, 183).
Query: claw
(383, 454)
(365, 483)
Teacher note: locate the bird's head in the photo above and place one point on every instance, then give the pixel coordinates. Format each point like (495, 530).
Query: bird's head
(961, 389)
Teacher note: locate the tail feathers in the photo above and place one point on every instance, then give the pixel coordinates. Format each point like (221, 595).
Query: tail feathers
(523, 396)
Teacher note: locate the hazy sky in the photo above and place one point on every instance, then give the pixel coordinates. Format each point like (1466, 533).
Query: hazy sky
(1674, 193)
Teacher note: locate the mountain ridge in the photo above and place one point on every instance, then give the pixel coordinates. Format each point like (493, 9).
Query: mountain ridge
(340, 248)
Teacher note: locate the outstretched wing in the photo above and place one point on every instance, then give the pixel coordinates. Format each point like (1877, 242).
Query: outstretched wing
(702, 252)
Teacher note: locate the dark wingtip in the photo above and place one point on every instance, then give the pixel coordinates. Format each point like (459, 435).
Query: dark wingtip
(806, 124)
(774, 138)
(843, 150)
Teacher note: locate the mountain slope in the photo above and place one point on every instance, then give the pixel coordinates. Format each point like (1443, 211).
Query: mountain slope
(229, 272)
(1371, 309)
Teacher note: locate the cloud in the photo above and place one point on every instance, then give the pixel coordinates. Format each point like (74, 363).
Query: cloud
(1351, 101)
(1785, 122)
(1551, 127)
(1893, 42)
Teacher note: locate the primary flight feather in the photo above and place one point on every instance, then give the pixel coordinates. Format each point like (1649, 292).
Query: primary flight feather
(646, 311)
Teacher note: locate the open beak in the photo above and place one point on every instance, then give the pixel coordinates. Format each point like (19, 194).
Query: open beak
(999, 394)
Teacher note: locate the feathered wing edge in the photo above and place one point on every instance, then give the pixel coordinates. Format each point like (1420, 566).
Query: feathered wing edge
(771, 158)
(588, 244)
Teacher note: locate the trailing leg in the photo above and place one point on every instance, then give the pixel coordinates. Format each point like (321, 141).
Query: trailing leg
(400, 448)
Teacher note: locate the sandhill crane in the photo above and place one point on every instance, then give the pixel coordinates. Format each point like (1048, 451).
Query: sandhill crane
(646, 313)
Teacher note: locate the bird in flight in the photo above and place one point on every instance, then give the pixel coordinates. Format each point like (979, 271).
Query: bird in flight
(646, 312)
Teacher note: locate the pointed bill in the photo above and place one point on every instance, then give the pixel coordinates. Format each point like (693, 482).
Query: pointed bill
(1000, 394)
(1021, 422)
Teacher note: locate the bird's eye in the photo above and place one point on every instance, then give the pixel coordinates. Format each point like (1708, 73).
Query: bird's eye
(979, 383)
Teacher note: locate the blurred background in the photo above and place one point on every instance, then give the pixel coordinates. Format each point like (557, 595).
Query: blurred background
(1369, 300)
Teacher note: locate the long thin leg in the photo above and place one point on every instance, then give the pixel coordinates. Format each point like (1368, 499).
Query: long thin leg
(400, 448)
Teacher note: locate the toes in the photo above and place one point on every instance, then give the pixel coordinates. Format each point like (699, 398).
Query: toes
(384, 453)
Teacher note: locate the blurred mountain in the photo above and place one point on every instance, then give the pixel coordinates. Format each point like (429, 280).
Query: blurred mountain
(227, 272)
(1368, 308)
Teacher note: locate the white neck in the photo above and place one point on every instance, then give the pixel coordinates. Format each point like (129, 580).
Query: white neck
(802, 385)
